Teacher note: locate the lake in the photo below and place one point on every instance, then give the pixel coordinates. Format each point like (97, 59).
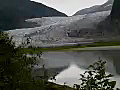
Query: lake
(70, 64)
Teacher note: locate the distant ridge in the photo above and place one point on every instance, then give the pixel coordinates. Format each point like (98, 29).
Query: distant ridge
(14, 12)
(97, 8)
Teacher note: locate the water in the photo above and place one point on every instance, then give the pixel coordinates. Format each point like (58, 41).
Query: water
(76, 62)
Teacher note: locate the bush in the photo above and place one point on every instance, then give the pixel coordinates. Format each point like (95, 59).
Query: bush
(95, 78)
(15, 66)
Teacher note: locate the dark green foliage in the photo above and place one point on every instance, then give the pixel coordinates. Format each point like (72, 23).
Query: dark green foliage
(15, 66)
(115, 17)
(115, 13)
(95, 78)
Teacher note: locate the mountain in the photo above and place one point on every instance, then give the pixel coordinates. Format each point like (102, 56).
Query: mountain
(59, 31)
(14, 12)
(115, 13)
(97, 8)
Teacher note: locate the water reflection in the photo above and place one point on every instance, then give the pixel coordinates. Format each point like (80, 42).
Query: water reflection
(73, 63)
(82, 59)
(71, 76)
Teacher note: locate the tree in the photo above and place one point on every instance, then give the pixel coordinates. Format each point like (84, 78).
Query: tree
(15, 66)
(95, 78)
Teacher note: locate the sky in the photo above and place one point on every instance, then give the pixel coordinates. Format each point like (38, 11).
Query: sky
(70, 7)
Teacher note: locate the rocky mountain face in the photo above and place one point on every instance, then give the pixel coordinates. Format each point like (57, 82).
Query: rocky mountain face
(61, 30)
(14, 12)
(97, 8)
(56, 31)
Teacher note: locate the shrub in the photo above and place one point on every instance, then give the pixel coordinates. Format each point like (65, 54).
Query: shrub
(95, 78)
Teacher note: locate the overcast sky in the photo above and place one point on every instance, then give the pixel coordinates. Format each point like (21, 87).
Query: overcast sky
(70, 7)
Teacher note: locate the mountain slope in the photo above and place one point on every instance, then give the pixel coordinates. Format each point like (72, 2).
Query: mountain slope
(14, 12)
(115, 13)
(97, 8)
(58, 31)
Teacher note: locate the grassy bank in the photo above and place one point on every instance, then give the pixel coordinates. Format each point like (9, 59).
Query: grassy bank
(62, 48)
(54, 86)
